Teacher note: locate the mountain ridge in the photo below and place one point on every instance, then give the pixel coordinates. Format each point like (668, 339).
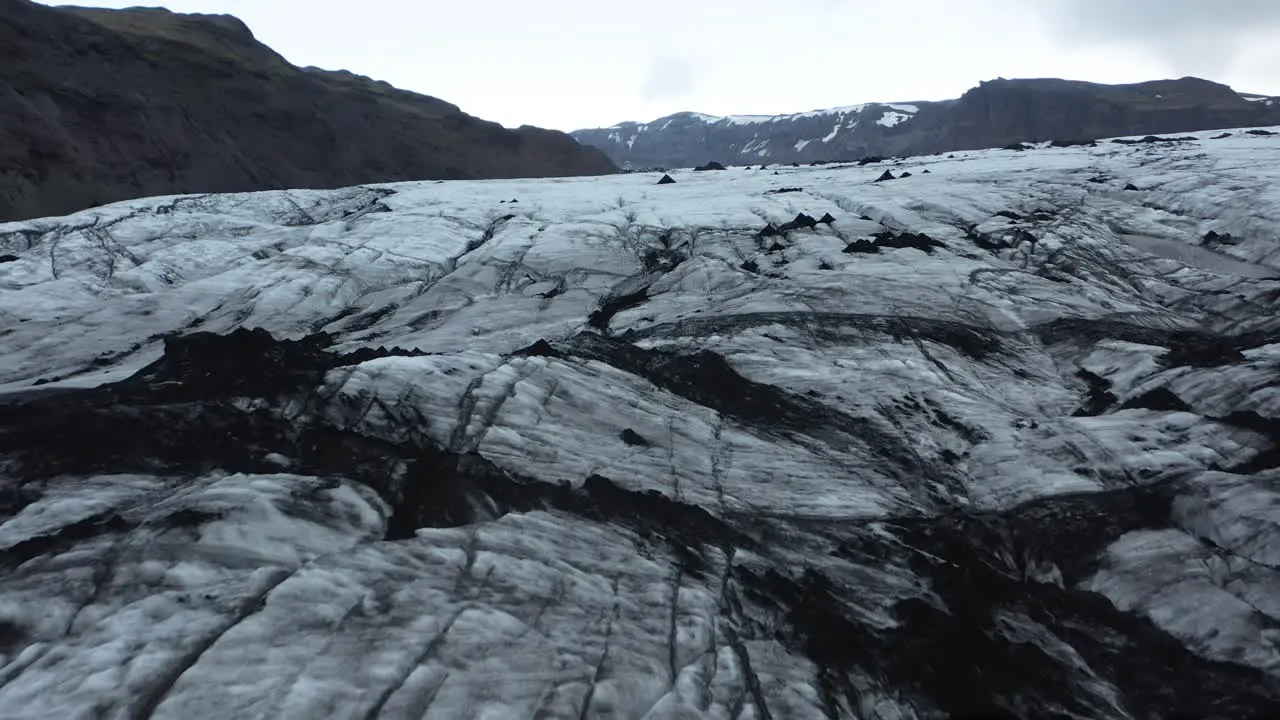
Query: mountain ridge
(103, 105)
(993, 114)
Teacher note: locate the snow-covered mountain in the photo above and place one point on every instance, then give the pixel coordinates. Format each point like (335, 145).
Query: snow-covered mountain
(994, 438)
(994, 114)
(689, 138)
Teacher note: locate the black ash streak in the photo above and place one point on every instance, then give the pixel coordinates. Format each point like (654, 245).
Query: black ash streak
(953, 649)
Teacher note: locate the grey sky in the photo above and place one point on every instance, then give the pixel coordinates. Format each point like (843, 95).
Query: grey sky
(581, 63)
(1213, 38)
(671, 77)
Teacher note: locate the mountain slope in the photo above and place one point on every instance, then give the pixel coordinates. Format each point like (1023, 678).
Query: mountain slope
(994, 114)
(997, 441)
(104, 105)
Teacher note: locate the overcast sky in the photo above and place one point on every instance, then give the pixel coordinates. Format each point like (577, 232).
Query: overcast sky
(569, 64)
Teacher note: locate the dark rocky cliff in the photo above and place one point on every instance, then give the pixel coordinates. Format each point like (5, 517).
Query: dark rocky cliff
(104, 105)
(1006, 111)
(994, 114)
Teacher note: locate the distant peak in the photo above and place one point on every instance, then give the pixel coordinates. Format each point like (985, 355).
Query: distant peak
(691, 116)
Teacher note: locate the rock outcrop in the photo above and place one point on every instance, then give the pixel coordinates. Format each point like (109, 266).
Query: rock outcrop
(105, 105)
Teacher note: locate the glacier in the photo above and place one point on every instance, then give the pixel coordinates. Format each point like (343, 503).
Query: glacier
(997, 438)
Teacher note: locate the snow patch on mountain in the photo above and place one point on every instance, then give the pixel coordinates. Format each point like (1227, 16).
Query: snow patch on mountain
(757, 119)
(890, 119)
